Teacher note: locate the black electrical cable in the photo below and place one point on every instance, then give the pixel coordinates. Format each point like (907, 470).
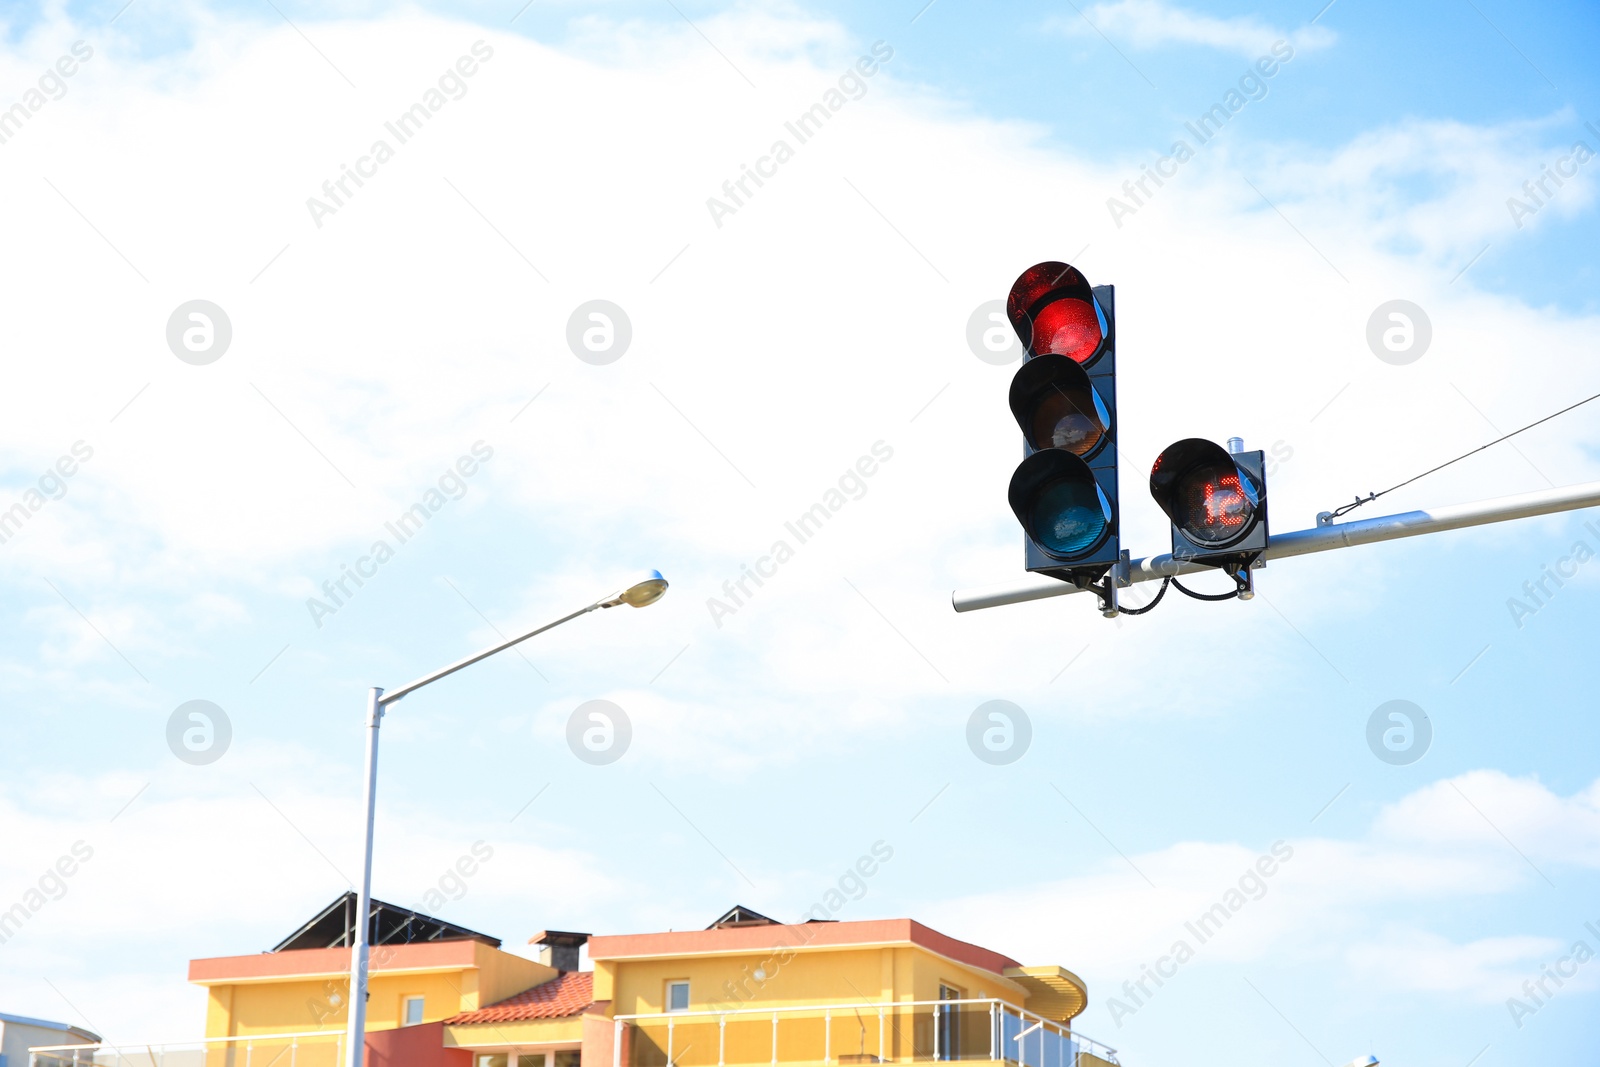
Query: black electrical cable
(1186, 591)
(1150, 606)
(1370, 497)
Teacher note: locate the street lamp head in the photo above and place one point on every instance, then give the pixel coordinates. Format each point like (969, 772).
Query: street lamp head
(1363, 1061)
(646, 588)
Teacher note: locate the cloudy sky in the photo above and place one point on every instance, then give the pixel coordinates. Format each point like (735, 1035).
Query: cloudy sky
(382, 338)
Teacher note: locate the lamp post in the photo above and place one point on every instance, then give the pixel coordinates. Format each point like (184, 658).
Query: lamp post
(646, 588)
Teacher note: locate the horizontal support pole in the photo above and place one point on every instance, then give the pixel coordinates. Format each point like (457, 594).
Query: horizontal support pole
(1318, 539)
(444, 672)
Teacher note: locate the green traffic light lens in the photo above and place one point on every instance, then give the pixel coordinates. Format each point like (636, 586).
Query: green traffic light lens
(1068, 517)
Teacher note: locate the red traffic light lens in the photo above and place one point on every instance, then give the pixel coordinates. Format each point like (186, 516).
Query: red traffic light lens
(1052, 308)
(1069, 327)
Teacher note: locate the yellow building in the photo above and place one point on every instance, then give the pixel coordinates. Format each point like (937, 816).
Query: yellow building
(745, 991)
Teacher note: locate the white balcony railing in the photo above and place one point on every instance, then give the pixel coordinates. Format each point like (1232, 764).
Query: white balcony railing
(318, 1048)
(839, 1035)
(851, 1034)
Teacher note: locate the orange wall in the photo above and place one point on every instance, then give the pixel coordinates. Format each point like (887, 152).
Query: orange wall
(784, 976)
(302, 990)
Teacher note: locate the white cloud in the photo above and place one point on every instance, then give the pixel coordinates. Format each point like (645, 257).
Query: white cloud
(1332, 900)
(1149, 24)
(1487, 970)
(177, 874)
(1466, 174)
(202, 476)
(200, 864)
(1492, 808)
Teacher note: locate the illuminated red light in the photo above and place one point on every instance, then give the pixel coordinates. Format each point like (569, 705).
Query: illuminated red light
(1219, 504)
(1052, 307)
(1216, 500)
(1069, 327)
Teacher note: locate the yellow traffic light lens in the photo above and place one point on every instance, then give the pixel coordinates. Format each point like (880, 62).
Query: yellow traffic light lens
(1073, 419)
(1057, 405)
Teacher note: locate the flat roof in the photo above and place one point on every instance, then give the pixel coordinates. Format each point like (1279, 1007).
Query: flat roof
(317, 962)
(90, 1038)
(801, 937)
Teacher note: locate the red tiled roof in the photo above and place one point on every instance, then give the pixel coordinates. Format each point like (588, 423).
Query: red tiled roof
(568, 993)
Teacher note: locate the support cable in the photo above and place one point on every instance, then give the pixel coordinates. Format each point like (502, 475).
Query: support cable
(1370, 497)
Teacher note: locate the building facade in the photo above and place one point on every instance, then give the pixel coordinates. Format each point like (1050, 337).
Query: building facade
(744, 992)
(18, 1034)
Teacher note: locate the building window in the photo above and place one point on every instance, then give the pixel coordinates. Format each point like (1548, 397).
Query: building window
(411, 1011)
(569, 1058)
(948, 1035)
(677, 996)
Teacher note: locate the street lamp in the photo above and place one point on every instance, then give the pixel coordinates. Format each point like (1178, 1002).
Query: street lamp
(645, 589)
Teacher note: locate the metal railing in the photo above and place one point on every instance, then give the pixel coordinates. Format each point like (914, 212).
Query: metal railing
(852, 1034)
(314, 1048)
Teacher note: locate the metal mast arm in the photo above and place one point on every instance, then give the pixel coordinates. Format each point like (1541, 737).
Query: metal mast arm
(1323, 538)
(411, 687)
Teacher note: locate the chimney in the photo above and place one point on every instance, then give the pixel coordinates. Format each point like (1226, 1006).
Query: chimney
(559, 948)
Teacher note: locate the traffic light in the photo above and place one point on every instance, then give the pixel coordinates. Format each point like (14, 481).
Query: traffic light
(1064, 398)
(1217, 501)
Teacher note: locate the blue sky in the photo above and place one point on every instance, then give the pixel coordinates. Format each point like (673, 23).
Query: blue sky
(1476, 63)
(770, 353)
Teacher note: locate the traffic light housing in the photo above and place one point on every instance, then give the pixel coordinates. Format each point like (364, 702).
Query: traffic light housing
(1064, 399)
(1216, 500)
